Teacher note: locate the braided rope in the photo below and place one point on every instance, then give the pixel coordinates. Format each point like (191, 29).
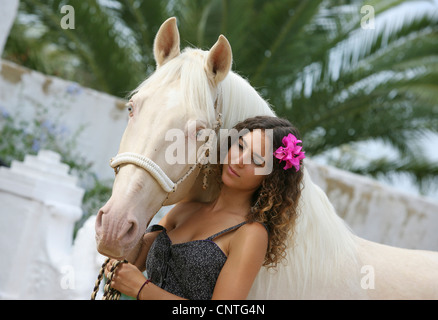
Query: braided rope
(145, 163)
(108, 292)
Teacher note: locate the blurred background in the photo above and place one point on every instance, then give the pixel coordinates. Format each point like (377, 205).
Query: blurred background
(358, 78)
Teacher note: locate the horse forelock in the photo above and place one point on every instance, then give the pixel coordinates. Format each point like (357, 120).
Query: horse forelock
(188, 71)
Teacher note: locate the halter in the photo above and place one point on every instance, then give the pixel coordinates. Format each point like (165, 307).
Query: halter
(155, 171)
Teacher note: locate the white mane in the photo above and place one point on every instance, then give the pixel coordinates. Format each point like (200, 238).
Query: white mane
(240, 101)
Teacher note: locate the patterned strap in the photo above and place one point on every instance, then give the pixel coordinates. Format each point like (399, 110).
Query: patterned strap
(226, 230)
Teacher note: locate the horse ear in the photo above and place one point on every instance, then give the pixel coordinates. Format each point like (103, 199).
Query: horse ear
(166, 43)
(219, 60)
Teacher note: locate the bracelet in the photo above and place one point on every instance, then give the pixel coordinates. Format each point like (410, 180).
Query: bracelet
(145, 283)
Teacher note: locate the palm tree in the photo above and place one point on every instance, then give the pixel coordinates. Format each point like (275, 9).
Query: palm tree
(318, 62)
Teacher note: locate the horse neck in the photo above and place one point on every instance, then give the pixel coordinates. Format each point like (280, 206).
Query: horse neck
(322, 247)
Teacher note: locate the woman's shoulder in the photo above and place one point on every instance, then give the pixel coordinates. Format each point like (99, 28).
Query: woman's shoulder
(249, 241)
(255, 228)
(253, 232)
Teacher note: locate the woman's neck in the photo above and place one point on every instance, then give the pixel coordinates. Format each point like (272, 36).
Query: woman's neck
(229, 199)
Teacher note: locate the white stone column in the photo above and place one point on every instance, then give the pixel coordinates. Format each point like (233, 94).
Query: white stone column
(40, 202)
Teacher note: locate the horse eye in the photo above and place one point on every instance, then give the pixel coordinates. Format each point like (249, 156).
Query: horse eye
(130, 108)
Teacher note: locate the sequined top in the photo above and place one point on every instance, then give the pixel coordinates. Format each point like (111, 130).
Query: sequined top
(188, 270)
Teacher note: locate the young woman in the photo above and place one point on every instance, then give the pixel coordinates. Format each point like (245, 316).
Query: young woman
(215, 250)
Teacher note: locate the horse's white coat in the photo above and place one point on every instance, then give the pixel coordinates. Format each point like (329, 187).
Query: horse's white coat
(324, 258)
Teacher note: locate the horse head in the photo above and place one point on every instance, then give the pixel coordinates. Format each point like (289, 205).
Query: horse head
(178, 100)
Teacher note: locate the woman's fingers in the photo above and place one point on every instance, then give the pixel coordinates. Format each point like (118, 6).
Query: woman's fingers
(110, 270)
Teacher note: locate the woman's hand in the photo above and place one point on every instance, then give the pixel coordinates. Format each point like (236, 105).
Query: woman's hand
(127, 278)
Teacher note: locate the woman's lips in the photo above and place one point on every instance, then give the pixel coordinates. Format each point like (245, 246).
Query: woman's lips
(232, 171)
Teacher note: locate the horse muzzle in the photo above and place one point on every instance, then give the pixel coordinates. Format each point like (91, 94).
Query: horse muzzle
(117, 235)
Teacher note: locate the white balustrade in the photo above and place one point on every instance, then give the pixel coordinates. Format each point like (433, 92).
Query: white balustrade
(40, 203)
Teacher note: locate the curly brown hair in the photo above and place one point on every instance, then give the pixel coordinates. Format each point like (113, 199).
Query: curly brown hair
(275, 202)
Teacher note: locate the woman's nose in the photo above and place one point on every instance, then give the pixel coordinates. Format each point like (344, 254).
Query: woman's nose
(243, 158)
(240, 163)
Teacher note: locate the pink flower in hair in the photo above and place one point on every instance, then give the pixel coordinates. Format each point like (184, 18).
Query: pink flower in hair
(291, 153)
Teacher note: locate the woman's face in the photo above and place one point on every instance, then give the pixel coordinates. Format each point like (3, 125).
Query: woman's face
(244, 157)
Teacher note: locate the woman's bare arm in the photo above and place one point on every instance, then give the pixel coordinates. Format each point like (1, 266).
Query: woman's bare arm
(247, 252)
(128, 279)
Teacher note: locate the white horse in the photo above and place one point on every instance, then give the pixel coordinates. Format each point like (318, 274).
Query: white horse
(324, 258)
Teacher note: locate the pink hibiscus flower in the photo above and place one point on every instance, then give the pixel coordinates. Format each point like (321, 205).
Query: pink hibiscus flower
(291, 153)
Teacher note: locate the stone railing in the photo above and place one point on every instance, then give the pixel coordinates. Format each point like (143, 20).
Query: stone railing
(378, 212)
(40, 203)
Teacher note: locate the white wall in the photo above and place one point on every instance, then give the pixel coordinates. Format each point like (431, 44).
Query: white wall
(378, 212)
(104, 117)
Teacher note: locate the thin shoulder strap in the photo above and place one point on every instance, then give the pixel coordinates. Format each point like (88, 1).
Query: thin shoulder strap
(226, 230)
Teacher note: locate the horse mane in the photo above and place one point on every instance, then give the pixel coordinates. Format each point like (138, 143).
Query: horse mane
(240, 100)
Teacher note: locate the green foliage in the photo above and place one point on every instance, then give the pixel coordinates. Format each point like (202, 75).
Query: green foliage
(21, 137)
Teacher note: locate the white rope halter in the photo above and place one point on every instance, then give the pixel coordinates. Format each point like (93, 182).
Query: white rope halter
(146, 164)
(155, 171)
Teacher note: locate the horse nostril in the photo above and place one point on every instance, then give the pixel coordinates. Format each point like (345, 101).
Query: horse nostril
(99, 220)
(132, 231)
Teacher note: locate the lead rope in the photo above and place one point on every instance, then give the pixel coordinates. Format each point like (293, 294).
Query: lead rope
(108, 292)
